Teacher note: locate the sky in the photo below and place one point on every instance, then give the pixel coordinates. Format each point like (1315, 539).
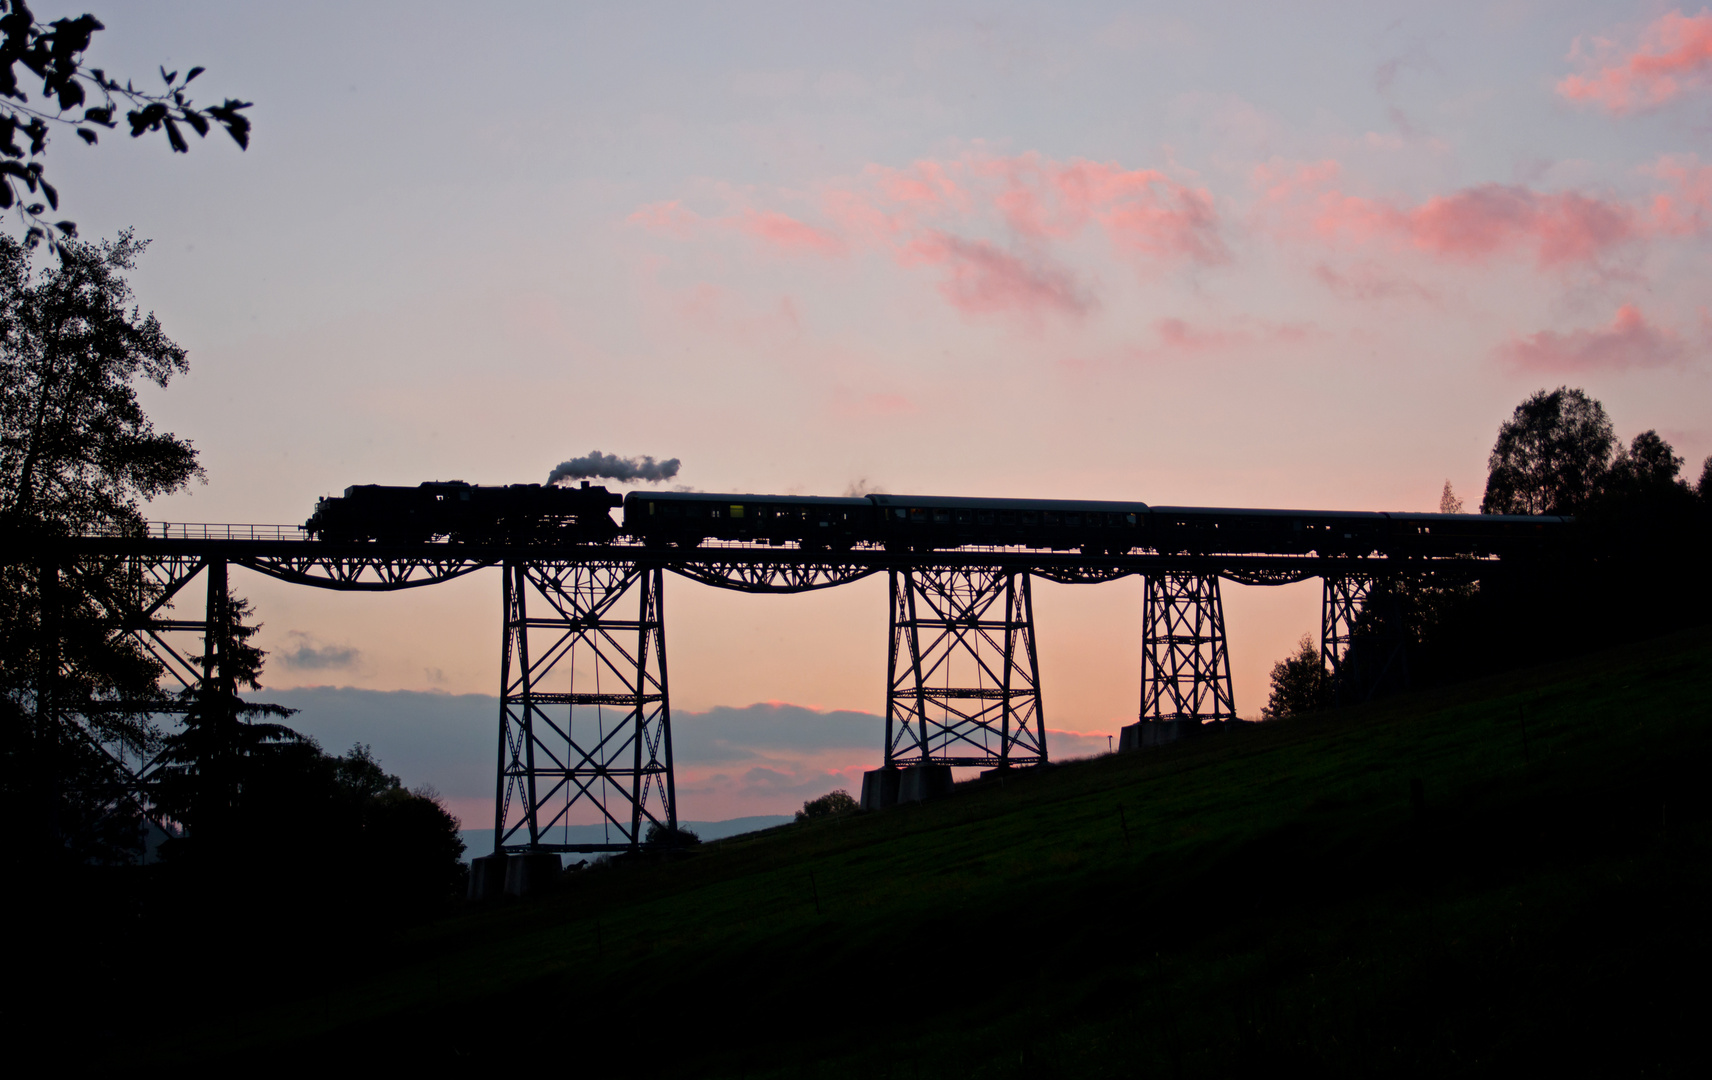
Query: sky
(1244, 254)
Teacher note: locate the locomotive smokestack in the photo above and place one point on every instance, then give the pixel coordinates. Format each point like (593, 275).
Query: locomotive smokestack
(612, 467)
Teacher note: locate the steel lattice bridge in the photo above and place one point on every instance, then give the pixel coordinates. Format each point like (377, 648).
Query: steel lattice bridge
(585, 717)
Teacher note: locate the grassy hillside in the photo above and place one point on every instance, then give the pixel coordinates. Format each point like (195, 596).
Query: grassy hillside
(1510, 873)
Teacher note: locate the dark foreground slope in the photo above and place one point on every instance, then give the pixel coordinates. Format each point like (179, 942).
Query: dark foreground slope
(1507, 874)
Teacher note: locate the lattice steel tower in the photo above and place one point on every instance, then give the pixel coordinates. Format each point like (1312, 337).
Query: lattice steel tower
(1363, 636)
(584, 722)
(963, 678)
(1185, 665)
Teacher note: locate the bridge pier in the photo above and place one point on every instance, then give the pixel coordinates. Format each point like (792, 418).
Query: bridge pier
(1185, 662)
(1363, 640)
(963, 678)
(135, 592)
(584, 718)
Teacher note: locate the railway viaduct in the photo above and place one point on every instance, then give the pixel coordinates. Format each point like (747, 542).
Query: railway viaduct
(963, 684)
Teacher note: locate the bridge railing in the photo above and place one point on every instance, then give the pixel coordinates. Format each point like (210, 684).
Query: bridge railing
(197, 530)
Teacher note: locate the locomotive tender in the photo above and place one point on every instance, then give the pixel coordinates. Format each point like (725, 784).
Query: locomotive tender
(533, 513)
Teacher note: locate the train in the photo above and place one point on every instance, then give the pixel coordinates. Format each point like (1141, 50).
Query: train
(467, 513)
(545, 514)
(932, 523)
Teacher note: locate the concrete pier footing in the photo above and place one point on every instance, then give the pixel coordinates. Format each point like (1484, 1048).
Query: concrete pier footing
(513, 875)
(487, 877)
(879, 789)
(1151, 733)
(888, 787)
(532, 872)
(920, 782)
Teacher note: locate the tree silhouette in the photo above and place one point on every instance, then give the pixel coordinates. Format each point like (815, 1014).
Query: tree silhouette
(204, 766)
(53, 55)
(1648, 463)
(1448, 502)
(1298, 683)
(1550, 455)
(833, 802)
(77, 455)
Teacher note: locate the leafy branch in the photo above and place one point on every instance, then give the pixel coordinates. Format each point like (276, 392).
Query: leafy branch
(53, 53)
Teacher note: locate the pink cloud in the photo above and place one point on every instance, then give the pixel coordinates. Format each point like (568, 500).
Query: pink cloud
(1684, 210)
(786, 234)
(1179, 336)
(1142, 211)
(981, 278)
(1485, 220)
(923, 184)
(1474, 224)
(945, 214)
(1630, 341)
(1674, 53)
(1370, 281)
(774, 231)
(714, 309)
(670, 218)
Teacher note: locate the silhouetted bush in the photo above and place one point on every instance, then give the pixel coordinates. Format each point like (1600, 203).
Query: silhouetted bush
(661, 836)
(835, 802)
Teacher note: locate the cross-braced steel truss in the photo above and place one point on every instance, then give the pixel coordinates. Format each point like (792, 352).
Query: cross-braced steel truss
(963, 678)
(1185, 665)
(585, 734)
(133, 598)
(1363, 642)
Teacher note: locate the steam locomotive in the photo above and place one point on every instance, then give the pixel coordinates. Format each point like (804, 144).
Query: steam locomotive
(467, 513)
(532, 513)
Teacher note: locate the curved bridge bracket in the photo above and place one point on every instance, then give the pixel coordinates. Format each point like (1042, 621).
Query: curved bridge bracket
(1269, 577)
(773, 577)
(1091, 574)
(344, 573)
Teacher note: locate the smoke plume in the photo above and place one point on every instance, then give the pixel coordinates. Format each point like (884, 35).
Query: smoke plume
(613, 467)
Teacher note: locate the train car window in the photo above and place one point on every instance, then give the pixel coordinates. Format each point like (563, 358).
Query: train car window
(917, 514)
(965, 517)
(1007, 517)
(900, 513)
(1076, 519)
(1051, 517)
(1129, 519)
(736, 511)
(983, 517)
(942, 517)
(714, 511)
(668, 510)
(1029, 517)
